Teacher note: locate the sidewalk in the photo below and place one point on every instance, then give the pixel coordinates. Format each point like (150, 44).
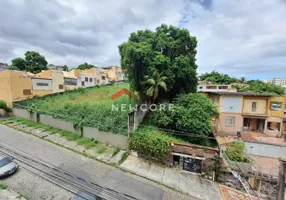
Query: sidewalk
(186, 182)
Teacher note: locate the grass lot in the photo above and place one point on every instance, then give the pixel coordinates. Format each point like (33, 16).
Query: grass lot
(91, 107)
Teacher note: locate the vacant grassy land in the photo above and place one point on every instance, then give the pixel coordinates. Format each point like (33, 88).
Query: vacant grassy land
(90, 107)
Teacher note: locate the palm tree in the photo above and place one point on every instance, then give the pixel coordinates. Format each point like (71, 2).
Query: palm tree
(152, 85)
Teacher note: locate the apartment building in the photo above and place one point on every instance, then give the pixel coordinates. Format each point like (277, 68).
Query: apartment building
(248, 112)
(114, 74)
(277, 81)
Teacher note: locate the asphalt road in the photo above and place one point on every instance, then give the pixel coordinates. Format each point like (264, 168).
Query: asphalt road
(95, 171)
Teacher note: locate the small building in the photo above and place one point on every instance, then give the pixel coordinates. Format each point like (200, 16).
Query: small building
(57, 78)
(83, 79)
(277, 81)
(99, 75)
(213, 88)
(193, 158)
(114, 74)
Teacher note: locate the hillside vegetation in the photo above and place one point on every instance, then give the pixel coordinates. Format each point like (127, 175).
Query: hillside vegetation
(90, 107)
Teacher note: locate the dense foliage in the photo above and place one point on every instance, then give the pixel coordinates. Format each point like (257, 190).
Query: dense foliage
(91, 107)
(33, 62)
(3, 105)
(235, 152)
(151, 142)
(168, 50)
(217, 78)
(261, 87)
(85, 66)
(191, 113)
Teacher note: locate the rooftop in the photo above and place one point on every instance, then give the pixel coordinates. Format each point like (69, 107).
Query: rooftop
(242, 93)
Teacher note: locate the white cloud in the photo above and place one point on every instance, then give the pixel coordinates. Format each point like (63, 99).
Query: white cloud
(243, 38)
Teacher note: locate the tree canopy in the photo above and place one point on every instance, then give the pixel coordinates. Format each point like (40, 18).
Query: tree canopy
(33, 62)
(191, 113)
(261, 87)
(169, 50)
(218, 78)
(85, 66)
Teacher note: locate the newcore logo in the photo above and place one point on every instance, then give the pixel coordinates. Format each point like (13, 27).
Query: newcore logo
(143, 107)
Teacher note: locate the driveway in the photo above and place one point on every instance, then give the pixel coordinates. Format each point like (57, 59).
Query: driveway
(79, 165)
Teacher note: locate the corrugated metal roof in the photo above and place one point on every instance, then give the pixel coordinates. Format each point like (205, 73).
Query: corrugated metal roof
(243, 94)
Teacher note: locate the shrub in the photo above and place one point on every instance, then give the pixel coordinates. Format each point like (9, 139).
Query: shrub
(116, 150)
(235, 152)
(3, 105)
(123, 158)
(151, 142)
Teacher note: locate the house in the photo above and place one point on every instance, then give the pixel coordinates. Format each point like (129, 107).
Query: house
(115, 74)
(248, 112)
(83, 79)
(70, 81)
(53, 77)
(99, 75)
(54, 67)
(213, 88)
(18, 85)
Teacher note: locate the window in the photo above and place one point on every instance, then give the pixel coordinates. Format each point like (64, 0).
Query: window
(211, 87)
(27, 92)
(253, 106)
(276, 105)
(90, 79)
(103, 77)
(42, 84)
(222, 87)
(82, 83)
(201, 87)
(61, 87)
(86, 79)
(70, 81)
(230, 120)
(97, 81)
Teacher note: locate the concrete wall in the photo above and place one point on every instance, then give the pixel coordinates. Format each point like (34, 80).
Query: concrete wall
(260, 106)
(120, 141)
(137, 116)
(23, 113)
(268, 150)
(222, 127)
(58, 79)
(58, 123)
(232, 104)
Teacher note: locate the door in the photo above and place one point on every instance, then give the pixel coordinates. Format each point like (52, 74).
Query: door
(192, 165)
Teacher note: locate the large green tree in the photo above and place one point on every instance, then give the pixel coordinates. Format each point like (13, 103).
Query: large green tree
(33, 62)
(261, 87)
(191, 113)
(218, 78)
(169, 50)
(85, 66)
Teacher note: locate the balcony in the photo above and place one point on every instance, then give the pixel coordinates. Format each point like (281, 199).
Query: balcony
(259, 114)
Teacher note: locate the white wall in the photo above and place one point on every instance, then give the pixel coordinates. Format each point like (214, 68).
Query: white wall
(268, 150)
(86, 83)
(231, 104)
(35, 83)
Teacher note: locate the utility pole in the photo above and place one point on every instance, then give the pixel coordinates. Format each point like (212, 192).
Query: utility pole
(281, 181)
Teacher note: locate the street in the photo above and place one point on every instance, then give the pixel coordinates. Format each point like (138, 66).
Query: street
(34, 187)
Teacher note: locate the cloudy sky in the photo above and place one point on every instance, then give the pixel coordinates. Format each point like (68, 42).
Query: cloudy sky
(241, 38)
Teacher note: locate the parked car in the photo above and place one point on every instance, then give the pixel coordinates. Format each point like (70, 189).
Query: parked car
(85, 196)
(7, 166)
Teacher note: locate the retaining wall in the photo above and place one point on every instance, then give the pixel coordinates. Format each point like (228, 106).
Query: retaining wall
(120, 141)
(58, 123)
(23, 113)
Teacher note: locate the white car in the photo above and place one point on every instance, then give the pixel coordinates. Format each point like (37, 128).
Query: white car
(7, 166)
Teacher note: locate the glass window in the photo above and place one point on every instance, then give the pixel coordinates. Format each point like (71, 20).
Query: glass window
(230, 120)
(276, 105)
(253, 106)
(5, 161)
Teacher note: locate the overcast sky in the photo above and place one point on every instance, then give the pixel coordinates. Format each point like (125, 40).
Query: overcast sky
(238, 37)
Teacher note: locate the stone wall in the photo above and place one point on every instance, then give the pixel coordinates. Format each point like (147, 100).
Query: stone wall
(120, 141)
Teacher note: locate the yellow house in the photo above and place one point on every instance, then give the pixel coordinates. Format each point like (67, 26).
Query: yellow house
(57, 78)
(17, 86)
(114, 73)
(248, 112)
